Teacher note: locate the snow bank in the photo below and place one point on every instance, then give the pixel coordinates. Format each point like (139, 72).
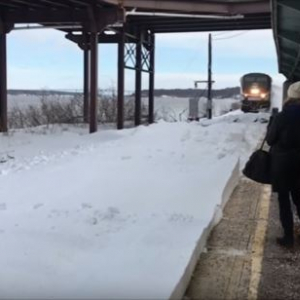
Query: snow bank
(183, 283)
(117, 214)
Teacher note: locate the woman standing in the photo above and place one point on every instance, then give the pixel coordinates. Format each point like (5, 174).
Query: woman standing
(283, 136)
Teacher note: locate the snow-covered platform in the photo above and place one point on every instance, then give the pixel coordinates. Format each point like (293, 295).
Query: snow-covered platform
(114, 214)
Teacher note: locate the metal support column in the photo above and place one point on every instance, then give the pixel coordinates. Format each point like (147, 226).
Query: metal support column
(86, 81)
(138, 80)
(121, 78)
(151, 80)
(94, 82)
(209, 92)
(3, 84)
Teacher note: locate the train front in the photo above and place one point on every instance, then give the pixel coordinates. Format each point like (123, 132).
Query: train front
(256, 92)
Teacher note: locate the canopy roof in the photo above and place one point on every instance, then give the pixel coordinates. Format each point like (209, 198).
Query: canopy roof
(243, 14)
(286, 16)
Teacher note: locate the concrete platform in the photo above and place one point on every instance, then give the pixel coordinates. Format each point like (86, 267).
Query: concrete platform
(227, 269)
(242, 260)
(281, 267)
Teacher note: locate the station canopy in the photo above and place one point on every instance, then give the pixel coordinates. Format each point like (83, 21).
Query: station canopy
(286, 24)
(151, 15)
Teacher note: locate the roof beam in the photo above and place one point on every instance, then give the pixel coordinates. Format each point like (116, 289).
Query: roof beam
(55, 3)
(107, 16)
(286, 70)
(9, 5)
(290, 53)
(291, 36)
(26, 4)
(291, 4)
(165, 21)
(196, 7)
(46, 16)
(212, 28)
(102, 39)
(209, 26)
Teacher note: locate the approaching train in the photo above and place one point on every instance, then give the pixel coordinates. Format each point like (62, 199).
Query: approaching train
(256, 92)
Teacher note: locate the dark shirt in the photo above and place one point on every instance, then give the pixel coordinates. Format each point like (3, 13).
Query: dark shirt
(283, 132)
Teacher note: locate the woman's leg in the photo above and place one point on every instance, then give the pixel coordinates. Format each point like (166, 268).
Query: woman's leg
(285, 213)
(295, 193)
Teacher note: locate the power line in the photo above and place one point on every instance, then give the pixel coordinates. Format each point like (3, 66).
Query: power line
(222, 33)
(233, 36)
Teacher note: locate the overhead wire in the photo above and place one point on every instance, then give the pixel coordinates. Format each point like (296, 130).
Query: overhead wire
(199, 92)
(232, 36)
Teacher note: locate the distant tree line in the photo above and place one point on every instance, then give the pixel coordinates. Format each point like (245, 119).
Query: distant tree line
(186, 93)
(41, 92)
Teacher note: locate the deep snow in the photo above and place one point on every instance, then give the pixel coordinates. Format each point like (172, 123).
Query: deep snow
(116, 214)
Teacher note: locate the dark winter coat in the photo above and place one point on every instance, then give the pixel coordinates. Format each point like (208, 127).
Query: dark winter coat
(283, 136)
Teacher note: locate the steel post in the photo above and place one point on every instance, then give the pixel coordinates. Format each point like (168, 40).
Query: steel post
(209, 89)
(121, 79)
(86, 82)
(3, 84)
(138, 80)
(151, 80)
(94, 82)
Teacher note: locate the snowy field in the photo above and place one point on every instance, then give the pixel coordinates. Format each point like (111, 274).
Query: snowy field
(166, 108)
(177, 109)
(24, 101)
(116, 214)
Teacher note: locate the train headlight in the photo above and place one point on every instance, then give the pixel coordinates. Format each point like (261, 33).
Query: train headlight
(263, 95)
(255, 91)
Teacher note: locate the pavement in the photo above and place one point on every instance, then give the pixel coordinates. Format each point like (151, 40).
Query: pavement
(242, 259)
(280, 277)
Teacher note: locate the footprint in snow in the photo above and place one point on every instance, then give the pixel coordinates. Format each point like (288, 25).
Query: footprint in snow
(93, 221)
(3, 206)
(221, 155)
(181, 218)
(126, 157)
(38, 205)
(86, 205)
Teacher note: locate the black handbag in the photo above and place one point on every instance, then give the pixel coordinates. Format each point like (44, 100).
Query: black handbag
(258, 167)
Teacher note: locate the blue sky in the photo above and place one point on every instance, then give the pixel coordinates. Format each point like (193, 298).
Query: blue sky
(44, 59)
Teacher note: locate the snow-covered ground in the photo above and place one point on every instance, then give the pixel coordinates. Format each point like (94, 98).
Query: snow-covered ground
(166, 108)
(116, 214)
(23, 101)
(177, 109)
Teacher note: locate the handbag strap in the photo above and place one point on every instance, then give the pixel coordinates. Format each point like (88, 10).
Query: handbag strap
(263, 142)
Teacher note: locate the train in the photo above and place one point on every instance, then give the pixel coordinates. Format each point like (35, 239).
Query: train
(256, 92)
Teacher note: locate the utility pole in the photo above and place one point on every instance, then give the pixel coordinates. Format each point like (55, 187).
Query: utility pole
(209, 88)
(193, 104)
